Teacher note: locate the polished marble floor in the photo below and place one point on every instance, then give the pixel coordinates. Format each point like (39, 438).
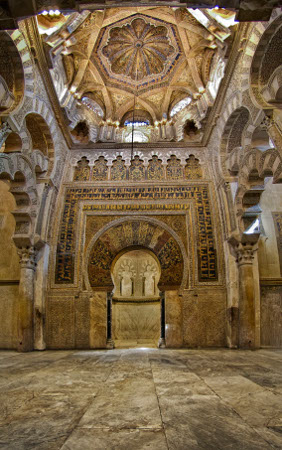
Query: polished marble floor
(141, 398)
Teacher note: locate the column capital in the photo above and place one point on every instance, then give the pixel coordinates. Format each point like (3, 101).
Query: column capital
(245, 253)
(27, 257)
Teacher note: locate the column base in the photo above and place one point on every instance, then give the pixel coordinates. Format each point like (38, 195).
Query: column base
(110, 344)
(161, 343)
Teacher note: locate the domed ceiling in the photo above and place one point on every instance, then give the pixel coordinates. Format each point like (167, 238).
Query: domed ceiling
(149, 58)
(138, 53)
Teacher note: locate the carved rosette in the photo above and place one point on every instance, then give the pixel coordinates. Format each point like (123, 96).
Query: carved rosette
(27, 258)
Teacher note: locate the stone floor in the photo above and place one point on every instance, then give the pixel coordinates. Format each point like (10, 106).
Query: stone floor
(141, 399)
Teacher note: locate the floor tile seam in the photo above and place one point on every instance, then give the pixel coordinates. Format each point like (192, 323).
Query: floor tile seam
(159, 406)
(76, 422)
(116, 428)
(91, 401)
(31, 373)
(226, 403)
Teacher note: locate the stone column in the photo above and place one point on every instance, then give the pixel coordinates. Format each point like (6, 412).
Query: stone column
(161, 343)
(26, 299)
(110, 342)
(47, 188)
(273, 131)
(247, 300)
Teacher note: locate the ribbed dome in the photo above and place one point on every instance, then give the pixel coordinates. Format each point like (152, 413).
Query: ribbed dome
(138, 49)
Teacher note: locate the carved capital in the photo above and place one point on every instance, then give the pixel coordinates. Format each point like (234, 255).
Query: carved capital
(27, 257)
(245, 253)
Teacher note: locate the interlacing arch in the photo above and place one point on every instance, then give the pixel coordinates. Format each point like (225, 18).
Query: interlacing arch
(254, 167)
(266, 67)
(20, 171)
(233, 135)
(11, 75)
(40, 137)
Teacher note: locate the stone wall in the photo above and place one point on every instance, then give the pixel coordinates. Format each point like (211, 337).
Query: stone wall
(8, 314)
(136, 321)
(204, 318)
(76, 321)
(271, 314)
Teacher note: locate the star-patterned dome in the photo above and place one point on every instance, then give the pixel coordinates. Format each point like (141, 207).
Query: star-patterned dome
(138, 49)
(137, 53)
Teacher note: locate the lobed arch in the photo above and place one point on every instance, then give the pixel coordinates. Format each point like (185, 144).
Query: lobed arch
(253, 169)
(19, 173)
(266, 69)
(93, 129)
(41, 138)
(129, 233)
(13, 143)
(12, 82)
(234, 135)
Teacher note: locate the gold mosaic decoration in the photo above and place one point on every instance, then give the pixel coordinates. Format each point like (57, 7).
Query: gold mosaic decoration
(136, 169)
(82, 170)
(100, 170)
(174, 170)
(118, 169)
(193, 170)
(175, 198)
(155, 169)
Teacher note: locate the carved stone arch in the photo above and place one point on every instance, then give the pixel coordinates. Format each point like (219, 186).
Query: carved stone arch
(136, 232)
(57, 173)
(93, 129)
(254, 167)
(232, 135)
(39, 161)
(19, 171)
(11, 75)
(266, 62)
(231, 104)
(41, 137)
(13, 143)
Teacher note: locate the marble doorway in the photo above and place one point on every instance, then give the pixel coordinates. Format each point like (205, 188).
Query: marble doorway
(136, 306)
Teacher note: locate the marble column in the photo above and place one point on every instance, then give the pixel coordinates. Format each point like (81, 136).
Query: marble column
(247, 300)
(26, 299)
(110, 342)
(162, 343)
(273, 131)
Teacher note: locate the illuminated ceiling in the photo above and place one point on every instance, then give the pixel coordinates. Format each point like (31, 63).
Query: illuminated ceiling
(152, 57)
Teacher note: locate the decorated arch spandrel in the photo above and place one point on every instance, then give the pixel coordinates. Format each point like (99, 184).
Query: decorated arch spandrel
(132, 234)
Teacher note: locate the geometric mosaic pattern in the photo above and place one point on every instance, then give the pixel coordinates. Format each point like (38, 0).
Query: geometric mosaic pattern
(199, 194)
(129, 234)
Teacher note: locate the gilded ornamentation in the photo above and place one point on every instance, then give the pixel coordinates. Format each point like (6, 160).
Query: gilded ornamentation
(155, 169)
(144, 51)
(142, 233)
(82, 170)
(193, 170)
(132, 233)
(136, 169)
(118, 169)
(136, 52)
(174, 170)
(100, 170)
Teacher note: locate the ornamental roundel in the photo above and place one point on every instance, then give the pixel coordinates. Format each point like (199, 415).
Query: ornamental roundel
(137, 52)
